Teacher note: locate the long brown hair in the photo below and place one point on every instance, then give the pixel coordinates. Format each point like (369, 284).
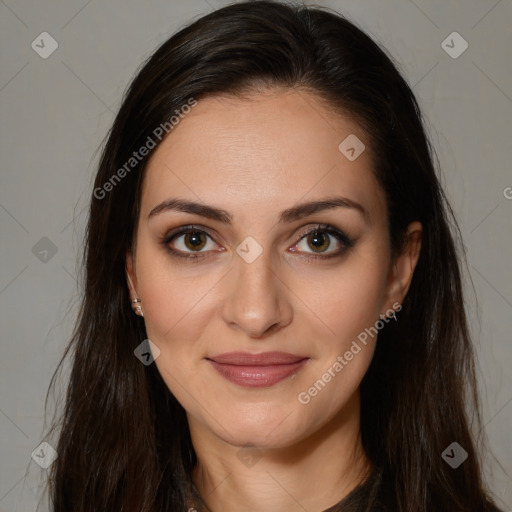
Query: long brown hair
(123, 442)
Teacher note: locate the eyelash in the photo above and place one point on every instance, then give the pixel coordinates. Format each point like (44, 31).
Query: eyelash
(342, 237)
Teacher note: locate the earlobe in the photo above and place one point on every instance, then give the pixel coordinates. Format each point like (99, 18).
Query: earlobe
(136, 302)
(402, 268)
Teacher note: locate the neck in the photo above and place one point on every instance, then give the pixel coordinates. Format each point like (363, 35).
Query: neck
(312, 474)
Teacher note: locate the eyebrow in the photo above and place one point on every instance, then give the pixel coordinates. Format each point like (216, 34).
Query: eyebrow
(286, 216)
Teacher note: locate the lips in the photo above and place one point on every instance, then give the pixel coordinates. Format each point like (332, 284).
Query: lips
(257, 370)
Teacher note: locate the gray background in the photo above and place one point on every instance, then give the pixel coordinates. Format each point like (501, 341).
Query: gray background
(56, 111)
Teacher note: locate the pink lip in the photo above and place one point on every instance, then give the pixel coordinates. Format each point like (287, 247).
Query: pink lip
(257, 370)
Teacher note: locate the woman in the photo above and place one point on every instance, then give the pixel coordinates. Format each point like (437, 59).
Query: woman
(267, 204)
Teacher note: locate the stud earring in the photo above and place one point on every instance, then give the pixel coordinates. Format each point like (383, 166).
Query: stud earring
(136, 303)
(388, 317)
(137, 308)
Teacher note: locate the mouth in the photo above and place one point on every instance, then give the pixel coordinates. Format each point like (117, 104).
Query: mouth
(257, 370)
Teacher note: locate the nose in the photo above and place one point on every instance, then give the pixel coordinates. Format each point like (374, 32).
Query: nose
(257, 299)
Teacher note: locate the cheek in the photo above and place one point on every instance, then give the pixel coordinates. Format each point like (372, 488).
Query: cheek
(348, 303)
(172, 295)
(178, 306)
(346, 300)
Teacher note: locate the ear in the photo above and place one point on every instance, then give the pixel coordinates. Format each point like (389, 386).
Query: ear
(402, 267)
(131, 280)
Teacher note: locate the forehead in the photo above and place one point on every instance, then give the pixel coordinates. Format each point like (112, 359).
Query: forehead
(260, 151)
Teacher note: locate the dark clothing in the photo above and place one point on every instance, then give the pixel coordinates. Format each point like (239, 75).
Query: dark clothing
(375, 494)
(366, 497)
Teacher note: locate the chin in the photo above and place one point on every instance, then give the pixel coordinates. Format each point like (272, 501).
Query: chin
(260, 440)
(275, 429)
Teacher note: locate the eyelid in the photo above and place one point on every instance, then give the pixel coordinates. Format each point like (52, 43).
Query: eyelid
(184, 230)
(341, 237)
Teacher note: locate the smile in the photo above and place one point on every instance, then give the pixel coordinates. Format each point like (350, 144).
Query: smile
(257, 370)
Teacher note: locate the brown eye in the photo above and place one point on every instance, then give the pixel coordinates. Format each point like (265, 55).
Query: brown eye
(194, 240)
(189, 242)
(318, 241)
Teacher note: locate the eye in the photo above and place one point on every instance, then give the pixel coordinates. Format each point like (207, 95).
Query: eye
(187, 241)
(319, 239)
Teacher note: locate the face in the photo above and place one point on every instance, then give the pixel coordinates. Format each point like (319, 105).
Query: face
(259, 275)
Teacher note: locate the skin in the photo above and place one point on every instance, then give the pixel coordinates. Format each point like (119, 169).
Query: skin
(255, 157)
